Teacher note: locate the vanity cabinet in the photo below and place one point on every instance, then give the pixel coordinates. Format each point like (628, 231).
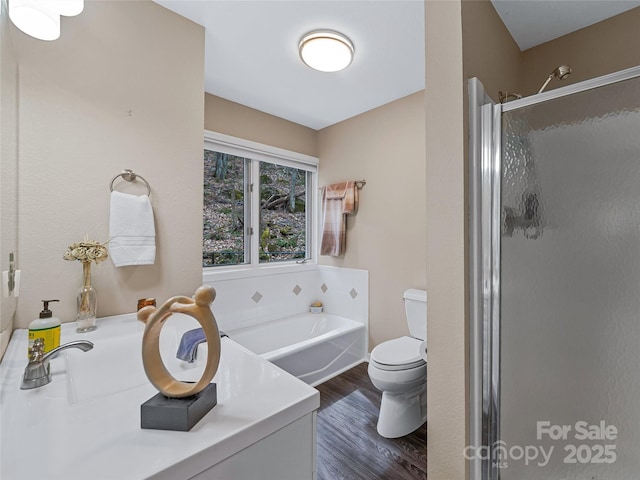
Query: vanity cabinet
(88, 418)
(288, 454)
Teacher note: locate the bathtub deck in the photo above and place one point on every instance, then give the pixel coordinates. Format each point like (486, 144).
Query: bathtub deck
(349, 446)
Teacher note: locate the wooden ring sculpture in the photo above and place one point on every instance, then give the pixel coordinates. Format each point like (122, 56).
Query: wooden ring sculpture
(198, 308)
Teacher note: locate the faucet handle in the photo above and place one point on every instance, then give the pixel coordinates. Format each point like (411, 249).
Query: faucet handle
(36, 351)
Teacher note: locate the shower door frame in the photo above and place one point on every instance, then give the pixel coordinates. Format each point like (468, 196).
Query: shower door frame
(485, 177)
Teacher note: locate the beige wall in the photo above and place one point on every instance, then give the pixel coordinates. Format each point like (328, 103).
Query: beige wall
(446, 243)
(464, 39)
(385, 147)
(8, 167)
(121, 88)
(605, 47)
(489, 52)
(230, 118)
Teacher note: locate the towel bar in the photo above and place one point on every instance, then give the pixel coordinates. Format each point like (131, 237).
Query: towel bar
(360, 183)
(130, 176)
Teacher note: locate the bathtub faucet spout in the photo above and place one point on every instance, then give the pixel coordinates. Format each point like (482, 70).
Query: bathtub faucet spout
(188, 347)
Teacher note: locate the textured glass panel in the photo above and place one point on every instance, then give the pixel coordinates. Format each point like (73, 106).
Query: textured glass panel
(570, 287)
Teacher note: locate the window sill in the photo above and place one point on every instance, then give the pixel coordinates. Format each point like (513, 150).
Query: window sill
(213, 274)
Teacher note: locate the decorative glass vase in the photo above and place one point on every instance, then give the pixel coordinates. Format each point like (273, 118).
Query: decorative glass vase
(87, 302)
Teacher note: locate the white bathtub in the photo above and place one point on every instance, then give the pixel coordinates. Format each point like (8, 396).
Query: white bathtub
(313, 347)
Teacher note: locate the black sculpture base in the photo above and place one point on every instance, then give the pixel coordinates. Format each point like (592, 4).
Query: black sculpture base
(179, 414)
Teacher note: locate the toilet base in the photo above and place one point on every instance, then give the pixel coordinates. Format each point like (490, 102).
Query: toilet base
(401, 414)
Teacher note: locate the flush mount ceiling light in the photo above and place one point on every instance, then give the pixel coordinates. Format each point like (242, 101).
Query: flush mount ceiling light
(68, 8)
(326, 50)
(35, 18)
(41, 18)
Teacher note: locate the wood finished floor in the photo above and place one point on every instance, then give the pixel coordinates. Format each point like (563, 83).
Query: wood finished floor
(349, 447)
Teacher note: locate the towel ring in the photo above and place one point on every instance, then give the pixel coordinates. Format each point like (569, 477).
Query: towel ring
(130, 176)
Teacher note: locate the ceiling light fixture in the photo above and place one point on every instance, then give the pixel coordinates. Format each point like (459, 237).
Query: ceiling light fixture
(68, 8)
(326, 50)
(41, 18)
(35, 18)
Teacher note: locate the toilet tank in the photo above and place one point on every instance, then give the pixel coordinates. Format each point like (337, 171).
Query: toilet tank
(415, 306)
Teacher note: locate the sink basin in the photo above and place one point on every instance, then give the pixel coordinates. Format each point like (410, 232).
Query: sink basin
(115, 363)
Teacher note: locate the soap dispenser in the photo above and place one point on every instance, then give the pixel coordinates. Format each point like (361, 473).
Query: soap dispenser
(47, 327)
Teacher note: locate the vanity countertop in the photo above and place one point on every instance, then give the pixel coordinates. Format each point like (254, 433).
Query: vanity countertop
(86, 422)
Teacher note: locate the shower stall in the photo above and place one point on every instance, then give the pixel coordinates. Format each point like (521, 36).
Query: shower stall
(555, 283)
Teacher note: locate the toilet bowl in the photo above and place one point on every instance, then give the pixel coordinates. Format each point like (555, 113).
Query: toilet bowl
(398, 369)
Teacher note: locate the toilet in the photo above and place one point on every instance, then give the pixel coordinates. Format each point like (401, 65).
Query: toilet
(398, 368)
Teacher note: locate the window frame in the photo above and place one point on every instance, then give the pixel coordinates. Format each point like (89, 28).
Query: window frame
(258, 152)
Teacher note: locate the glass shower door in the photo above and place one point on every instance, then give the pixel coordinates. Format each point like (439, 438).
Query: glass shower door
(570, 287)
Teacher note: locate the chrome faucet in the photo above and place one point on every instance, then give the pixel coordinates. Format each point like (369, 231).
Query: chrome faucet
(38, 372)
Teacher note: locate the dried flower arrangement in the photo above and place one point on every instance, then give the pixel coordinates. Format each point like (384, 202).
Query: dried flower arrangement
(86, 252)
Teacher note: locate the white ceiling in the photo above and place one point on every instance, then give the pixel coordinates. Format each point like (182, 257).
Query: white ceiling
(251, 54)
(532, 22)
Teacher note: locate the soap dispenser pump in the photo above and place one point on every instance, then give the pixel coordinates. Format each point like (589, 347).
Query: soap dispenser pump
(47, 327)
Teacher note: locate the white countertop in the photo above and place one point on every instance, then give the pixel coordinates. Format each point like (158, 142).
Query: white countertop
(86, 422)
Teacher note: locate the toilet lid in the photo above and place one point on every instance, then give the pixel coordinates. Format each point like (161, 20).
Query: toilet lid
(398, 354)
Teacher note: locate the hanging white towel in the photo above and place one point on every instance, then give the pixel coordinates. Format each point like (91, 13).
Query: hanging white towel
(132, 231)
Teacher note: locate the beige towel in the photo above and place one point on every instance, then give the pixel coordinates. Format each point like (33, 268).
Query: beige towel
(338, 201)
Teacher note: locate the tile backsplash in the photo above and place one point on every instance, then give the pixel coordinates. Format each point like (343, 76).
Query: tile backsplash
(242, 302)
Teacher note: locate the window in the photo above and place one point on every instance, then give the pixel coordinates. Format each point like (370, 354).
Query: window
(259, 203)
